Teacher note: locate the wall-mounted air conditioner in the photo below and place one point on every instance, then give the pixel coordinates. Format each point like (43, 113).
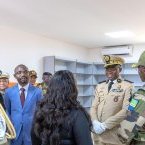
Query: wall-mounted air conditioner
(117, 50)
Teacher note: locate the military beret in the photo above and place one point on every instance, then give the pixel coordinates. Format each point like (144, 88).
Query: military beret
(141, 61)
(4, 75)
(112, 60)
(32, 73)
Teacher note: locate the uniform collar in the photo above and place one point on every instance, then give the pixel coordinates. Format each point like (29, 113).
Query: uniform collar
(118, 80)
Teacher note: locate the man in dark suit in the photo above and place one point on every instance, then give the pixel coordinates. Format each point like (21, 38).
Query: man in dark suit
(20, 101)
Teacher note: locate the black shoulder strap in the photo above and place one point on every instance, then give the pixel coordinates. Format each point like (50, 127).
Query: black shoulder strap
(128, 81)
(102, 82)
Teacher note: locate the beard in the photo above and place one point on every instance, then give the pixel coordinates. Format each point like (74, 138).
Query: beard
(23, 81)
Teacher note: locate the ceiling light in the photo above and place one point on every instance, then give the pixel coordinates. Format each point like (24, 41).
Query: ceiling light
(120, 34)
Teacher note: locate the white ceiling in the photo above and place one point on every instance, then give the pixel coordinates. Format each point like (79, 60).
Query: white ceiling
(81, 22)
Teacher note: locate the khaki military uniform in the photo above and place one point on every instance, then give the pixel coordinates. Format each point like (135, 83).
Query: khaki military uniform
(44, 87)
(110, 108)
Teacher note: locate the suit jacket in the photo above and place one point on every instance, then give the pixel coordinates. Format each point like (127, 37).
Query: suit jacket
(111, 108)
(22, 117)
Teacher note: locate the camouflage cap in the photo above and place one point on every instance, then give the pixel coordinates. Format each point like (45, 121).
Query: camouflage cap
(4, 75)
(112, 60)
(141, 61)
(32, 73)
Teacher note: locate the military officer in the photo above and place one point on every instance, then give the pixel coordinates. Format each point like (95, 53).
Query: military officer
(44, 85)
(110, 103)
(7, 130)
(4, 82)
(32, 77)
(133, 127)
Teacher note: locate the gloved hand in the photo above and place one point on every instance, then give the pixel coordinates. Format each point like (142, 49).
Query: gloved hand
(99, 127)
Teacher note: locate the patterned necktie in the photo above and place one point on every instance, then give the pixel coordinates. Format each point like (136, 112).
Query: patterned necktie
(22, 96)
(110, 85)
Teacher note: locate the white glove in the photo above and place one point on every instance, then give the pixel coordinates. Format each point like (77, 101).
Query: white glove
(99, 127)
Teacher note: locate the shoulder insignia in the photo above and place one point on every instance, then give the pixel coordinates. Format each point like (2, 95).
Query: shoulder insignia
(102, 82)
(119, 80)
(140, 91)
(128, 81)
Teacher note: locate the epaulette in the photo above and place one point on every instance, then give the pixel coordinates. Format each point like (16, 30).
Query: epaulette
(128, 81)
(119, 80)
(102, 82)
(140, 91)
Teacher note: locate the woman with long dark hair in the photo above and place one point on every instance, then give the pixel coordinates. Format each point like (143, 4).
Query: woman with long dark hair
(59, 118)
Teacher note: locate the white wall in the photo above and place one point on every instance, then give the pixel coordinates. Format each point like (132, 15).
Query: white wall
(95, 54)
(18, 47)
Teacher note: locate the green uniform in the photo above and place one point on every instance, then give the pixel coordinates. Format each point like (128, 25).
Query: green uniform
(44, 87)
(132, 128)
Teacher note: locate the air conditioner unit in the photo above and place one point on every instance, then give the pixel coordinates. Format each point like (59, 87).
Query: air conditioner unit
(117, 50)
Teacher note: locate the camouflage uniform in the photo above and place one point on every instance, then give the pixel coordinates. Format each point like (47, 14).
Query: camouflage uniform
(132, 130)
(44, 87)
(134, 142)
(132, 126)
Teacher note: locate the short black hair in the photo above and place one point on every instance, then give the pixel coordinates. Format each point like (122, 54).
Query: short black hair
(21, 65)
(47, 73)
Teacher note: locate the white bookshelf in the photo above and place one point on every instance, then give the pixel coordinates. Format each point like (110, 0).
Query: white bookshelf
(83, 79)
(98, 73)
(128, 70)
(84, 68)
(98, 78)
(53, 64)
(98, 69)
(131, 74)
(85, 90)
(83, 72)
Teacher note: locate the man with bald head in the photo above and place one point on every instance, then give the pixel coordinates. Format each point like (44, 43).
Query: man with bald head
(20, 101)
